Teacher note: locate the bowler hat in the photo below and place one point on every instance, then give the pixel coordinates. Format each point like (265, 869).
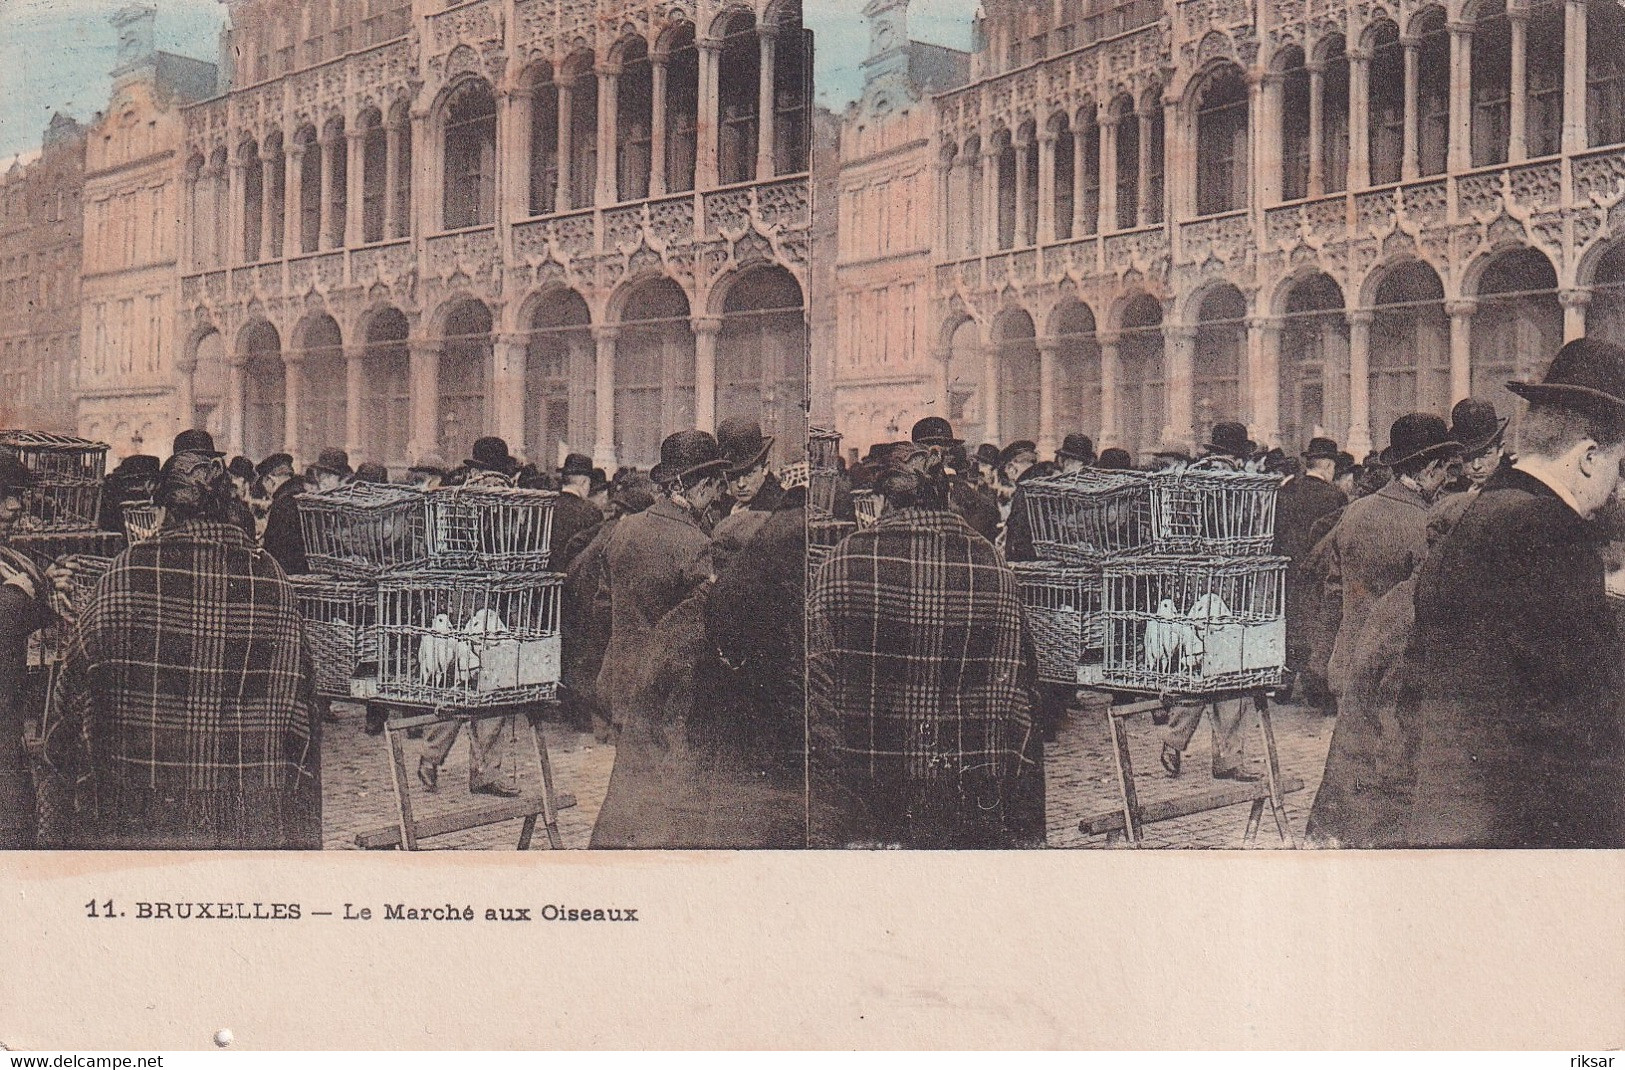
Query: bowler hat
(371, 472)
(240, 468)
(334, 460)
(491, 455)
(1016, 449)
(742, 443)
(1587, 373)
(1474, 423)
(275, 463)
(987, 453)
(1321, 449)
(688, 453)
(1345, 464)
(632, 491)
(1114, 458)
(195, 440)
(576, 464)
(1231, 439)
(934, 431)
(1418, 435)
(1077, 447)
(137, 466)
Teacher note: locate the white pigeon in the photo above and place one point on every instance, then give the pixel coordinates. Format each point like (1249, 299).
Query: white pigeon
(481, 626)
(1220, 637)
(437, 651)
(1162, 637)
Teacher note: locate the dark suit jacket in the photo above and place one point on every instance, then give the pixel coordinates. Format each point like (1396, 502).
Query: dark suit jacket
(572, 515)
(1516, 671)
(283, 538)
(1378, 543)
(1300, 503)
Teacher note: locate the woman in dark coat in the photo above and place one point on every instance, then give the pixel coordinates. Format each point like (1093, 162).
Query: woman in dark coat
(23, 610)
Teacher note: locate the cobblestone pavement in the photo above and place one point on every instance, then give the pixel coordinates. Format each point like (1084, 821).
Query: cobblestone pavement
(1081, 780)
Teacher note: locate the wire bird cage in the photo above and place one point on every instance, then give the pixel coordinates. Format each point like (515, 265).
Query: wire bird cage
(142, 520)
(794, 475)
(68, 474)
(866, 507)
(45, 549)
(1062, 606)
(500, 529)
(823, 453)
(1089, 516)
(456, 640)
(364, 530)
(1213, 511)
(341, 630)
(823, 449)
(1193, 625)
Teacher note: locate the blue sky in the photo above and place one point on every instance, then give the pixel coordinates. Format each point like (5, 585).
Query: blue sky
(55, 55)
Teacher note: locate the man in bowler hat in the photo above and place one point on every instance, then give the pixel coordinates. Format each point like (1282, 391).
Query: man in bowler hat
(1515, 659)
(1300, 503)
(754, 488)
(573, 513)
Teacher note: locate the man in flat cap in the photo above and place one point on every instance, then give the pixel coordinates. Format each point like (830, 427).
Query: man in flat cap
(1516, 660)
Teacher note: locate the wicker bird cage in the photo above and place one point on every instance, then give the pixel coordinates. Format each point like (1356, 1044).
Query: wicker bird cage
(1089, 516)
(47, 548)
(823, 449)
(68, 474)
(822, 538)
(1197, 510)
(85, 571)
(1061, 604)
(866, 507)
(1193, 625)
(341, 630)
(142, 520)
(364, 530)
(499, 529)
(458, 640)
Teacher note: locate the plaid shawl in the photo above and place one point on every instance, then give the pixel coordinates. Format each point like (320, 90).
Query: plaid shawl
(184, 710)
(919, 697)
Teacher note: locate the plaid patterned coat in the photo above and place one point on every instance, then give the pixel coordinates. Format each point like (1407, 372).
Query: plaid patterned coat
(183, 711)
(919, 693)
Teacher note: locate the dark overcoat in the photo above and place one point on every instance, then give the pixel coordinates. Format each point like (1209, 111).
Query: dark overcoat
(1379, 542)
(284, 540)
(572, 514)
(1300, 504)
(1517, 676)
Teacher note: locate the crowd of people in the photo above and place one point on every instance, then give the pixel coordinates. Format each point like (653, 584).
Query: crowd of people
(1445, 603)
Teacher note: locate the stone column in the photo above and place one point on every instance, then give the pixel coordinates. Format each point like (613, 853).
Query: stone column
(705, 139)
(1461, 347)
(1110, 372)
(425, 379)
(1180, 342)
(1359, 436)
(1264, 361)
(1047, 348)
(706, 330)
(1518, 121)
(1144, 214)
(767, 37)
(990, 199)
(1080, 183)
(565, 142)
(1359, 120)
(1317, 129)
(1461, 102)
(392, 181)
(293, 390)
(1269, 178)
(609, 147)
(603, 449)
(513, 147)
(1575, 136)
(657, 126)
(943, 228)
(355, 142)
(969, 240)
(236, 400)
(1574, 302)
(1046, 187)
(1023, 206)
(508, 389)
(293, 199)
(1410, 164)
(991, 431)
(1173, 177)
(190, 259)
(1108, 173)
(324, 236)
(355, 383)
(237, 206)
(266, 162)
(185, 397)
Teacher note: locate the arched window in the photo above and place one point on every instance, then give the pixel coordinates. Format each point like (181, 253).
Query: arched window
(1077, 370)
(253, 191)
(1433, 91)
(1090, 132)
(1410, 347)
(1517, 326)
(1314, 359)
(265, 397)
(1605, 74)
(634, 104)
(1544, 73)
(1151, 203)
(1492, 83)
(792, 84)
(1605, 315)
(1128, 164)
(559, 383)
(310, 189)
(1065, 176)
(387, 390)
(1221, 143)
(1221, 340)
(1007, 189)
(1334, 117)
(322, 390)
(470, 157)
(544, 142)
(971, 165)
(583, 155)
(398, 118)
(762, 356)
(682, 108)
(465, 358)
(654, 371)
(1294, 126)
(1020, 381)
(336, 158)
(738, 98)
(374, 181)
(1029, 190)
(1386, 122)
(1141, 402)
(276, 193)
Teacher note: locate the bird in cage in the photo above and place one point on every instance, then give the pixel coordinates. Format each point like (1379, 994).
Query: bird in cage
(1164, 637)
(437, 651)
(1220, 639)
(481, 628)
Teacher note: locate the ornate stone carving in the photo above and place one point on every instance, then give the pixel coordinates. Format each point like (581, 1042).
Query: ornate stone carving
(1479, 195)
(727, 211)
(623, 228)
(1537, 185)
(1424, 203)
(1600, 178)
(1376, 212)
(784, 204)
(671, 221)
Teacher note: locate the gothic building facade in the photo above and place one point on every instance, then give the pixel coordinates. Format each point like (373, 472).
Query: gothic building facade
(1312, 216)
(576, 225)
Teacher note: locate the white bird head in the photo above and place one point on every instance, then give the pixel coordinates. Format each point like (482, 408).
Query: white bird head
(442, 623)
(1166, 608)
(1209, 607)
(485, 622)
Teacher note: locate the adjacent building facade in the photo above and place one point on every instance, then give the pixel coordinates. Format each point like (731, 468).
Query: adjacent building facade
(41, 241)
(1310, 216)
(129, 362)
(576, 225)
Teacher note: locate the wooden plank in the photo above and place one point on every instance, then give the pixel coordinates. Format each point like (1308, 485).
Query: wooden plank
(1167, 810)
(442, 824)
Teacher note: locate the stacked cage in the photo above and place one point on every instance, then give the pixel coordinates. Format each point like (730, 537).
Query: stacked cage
(823, 472)
(68, 473)
(1174, 568)
(823, 535)
(142, 520)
